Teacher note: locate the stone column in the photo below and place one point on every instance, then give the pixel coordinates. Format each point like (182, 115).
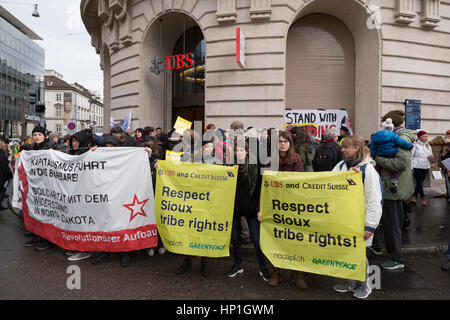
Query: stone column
(405, 11)
(226, 11)
(430, 13)
(260, 9)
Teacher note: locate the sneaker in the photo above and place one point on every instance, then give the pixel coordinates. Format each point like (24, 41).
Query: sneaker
(32, 242)
(99, 257)
(265, 274)
(375, 251)
(234, 271)
(394, 186)
(362, 292)
(162, 250)
(79, 256)
(345, 287)
(392, 265)
(150, 252)
(70, 253)
(424, 202)
(413, 200)
(446, 265)
(42, 245)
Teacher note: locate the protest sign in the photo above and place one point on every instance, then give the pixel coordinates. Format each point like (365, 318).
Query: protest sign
(194, 206)
(173, 156)
(314, 222)
(181, 125)
(317, 121)
(89, 202)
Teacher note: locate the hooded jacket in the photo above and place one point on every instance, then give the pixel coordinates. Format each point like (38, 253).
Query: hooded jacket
(401, 164)
(85, 141)
(372, 194)
(385, 143)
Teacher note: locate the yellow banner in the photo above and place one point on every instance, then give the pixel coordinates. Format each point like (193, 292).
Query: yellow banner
(194, 206)
(314, 222)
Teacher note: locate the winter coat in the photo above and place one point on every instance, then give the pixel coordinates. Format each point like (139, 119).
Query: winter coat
(46, 145)
(327, 155)
(386, 142)
(400, 164)
(85, 141)
(307, 156)
(420, 155)
(372, 195)
(5, 172)
(247, 189)
(296, 164)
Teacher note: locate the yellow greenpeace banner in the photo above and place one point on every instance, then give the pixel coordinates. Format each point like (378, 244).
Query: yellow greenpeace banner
(314, 222)
(194, 206)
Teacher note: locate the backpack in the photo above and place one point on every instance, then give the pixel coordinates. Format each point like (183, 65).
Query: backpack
(325, 158)
(363, 171)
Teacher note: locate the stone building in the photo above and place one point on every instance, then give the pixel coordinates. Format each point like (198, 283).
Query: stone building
(367, 56)
(70, 102)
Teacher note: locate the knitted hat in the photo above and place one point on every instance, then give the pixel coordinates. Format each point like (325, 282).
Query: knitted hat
(40, 129)
(397, 116)
(421, 133)
(447, 133)
(387, 125)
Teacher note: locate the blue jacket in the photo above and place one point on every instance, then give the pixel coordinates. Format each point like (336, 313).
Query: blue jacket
(386, 142)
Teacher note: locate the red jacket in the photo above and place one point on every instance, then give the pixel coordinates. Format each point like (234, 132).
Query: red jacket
(296, 164)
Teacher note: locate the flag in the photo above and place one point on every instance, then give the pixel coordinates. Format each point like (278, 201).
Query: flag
(125, 124)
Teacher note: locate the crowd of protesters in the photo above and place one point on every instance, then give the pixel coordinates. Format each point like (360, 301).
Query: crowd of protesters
(394, 153)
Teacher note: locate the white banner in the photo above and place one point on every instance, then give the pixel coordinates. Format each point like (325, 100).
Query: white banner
(99, 201)
(317, 121)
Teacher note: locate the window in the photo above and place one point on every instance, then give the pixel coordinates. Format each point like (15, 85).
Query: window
(58, 111)
(58, 128)
(58, 97)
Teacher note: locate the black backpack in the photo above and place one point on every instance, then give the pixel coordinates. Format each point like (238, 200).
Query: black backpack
(325, 158)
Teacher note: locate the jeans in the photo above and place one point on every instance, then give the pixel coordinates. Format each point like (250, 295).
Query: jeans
(392, 221)
(253, 226)
(419, 175)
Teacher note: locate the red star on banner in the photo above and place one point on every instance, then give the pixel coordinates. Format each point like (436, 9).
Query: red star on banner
(134, 207)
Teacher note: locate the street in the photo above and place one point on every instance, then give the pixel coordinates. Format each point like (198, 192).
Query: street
(28, 274)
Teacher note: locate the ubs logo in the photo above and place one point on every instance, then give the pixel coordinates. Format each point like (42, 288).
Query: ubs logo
(351, 182)
(273, 184)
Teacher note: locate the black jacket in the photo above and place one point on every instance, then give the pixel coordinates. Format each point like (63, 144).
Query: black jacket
(85, 141)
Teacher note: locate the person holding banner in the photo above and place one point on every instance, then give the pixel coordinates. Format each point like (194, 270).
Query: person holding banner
(40, 141)
(357, 158)
(152, 149)
(289, 161)
(79, 143)
(246, 205)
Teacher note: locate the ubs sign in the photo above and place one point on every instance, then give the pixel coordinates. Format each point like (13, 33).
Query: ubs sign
(175, 62)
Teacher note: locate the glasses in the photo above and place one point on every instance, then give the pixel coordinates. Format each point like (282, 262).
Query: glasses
(283, 141)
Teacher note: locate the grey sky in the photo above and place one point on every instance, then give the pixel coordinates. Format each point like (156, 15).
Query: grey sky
(66, 42)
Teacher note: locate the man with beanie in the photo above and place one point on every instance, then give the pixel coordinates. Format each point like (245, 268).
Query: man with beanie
(385, 143)
(40, 141)
(392, 218)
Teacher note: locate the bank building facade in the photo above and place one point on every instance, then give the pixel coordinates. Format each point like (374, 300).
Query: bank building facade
(223, 60)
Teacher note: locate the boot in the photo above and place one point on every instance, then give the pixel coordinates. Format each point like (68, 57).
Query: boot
(298, 278)
(185, 266)
(205, 269)
(275, 277)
